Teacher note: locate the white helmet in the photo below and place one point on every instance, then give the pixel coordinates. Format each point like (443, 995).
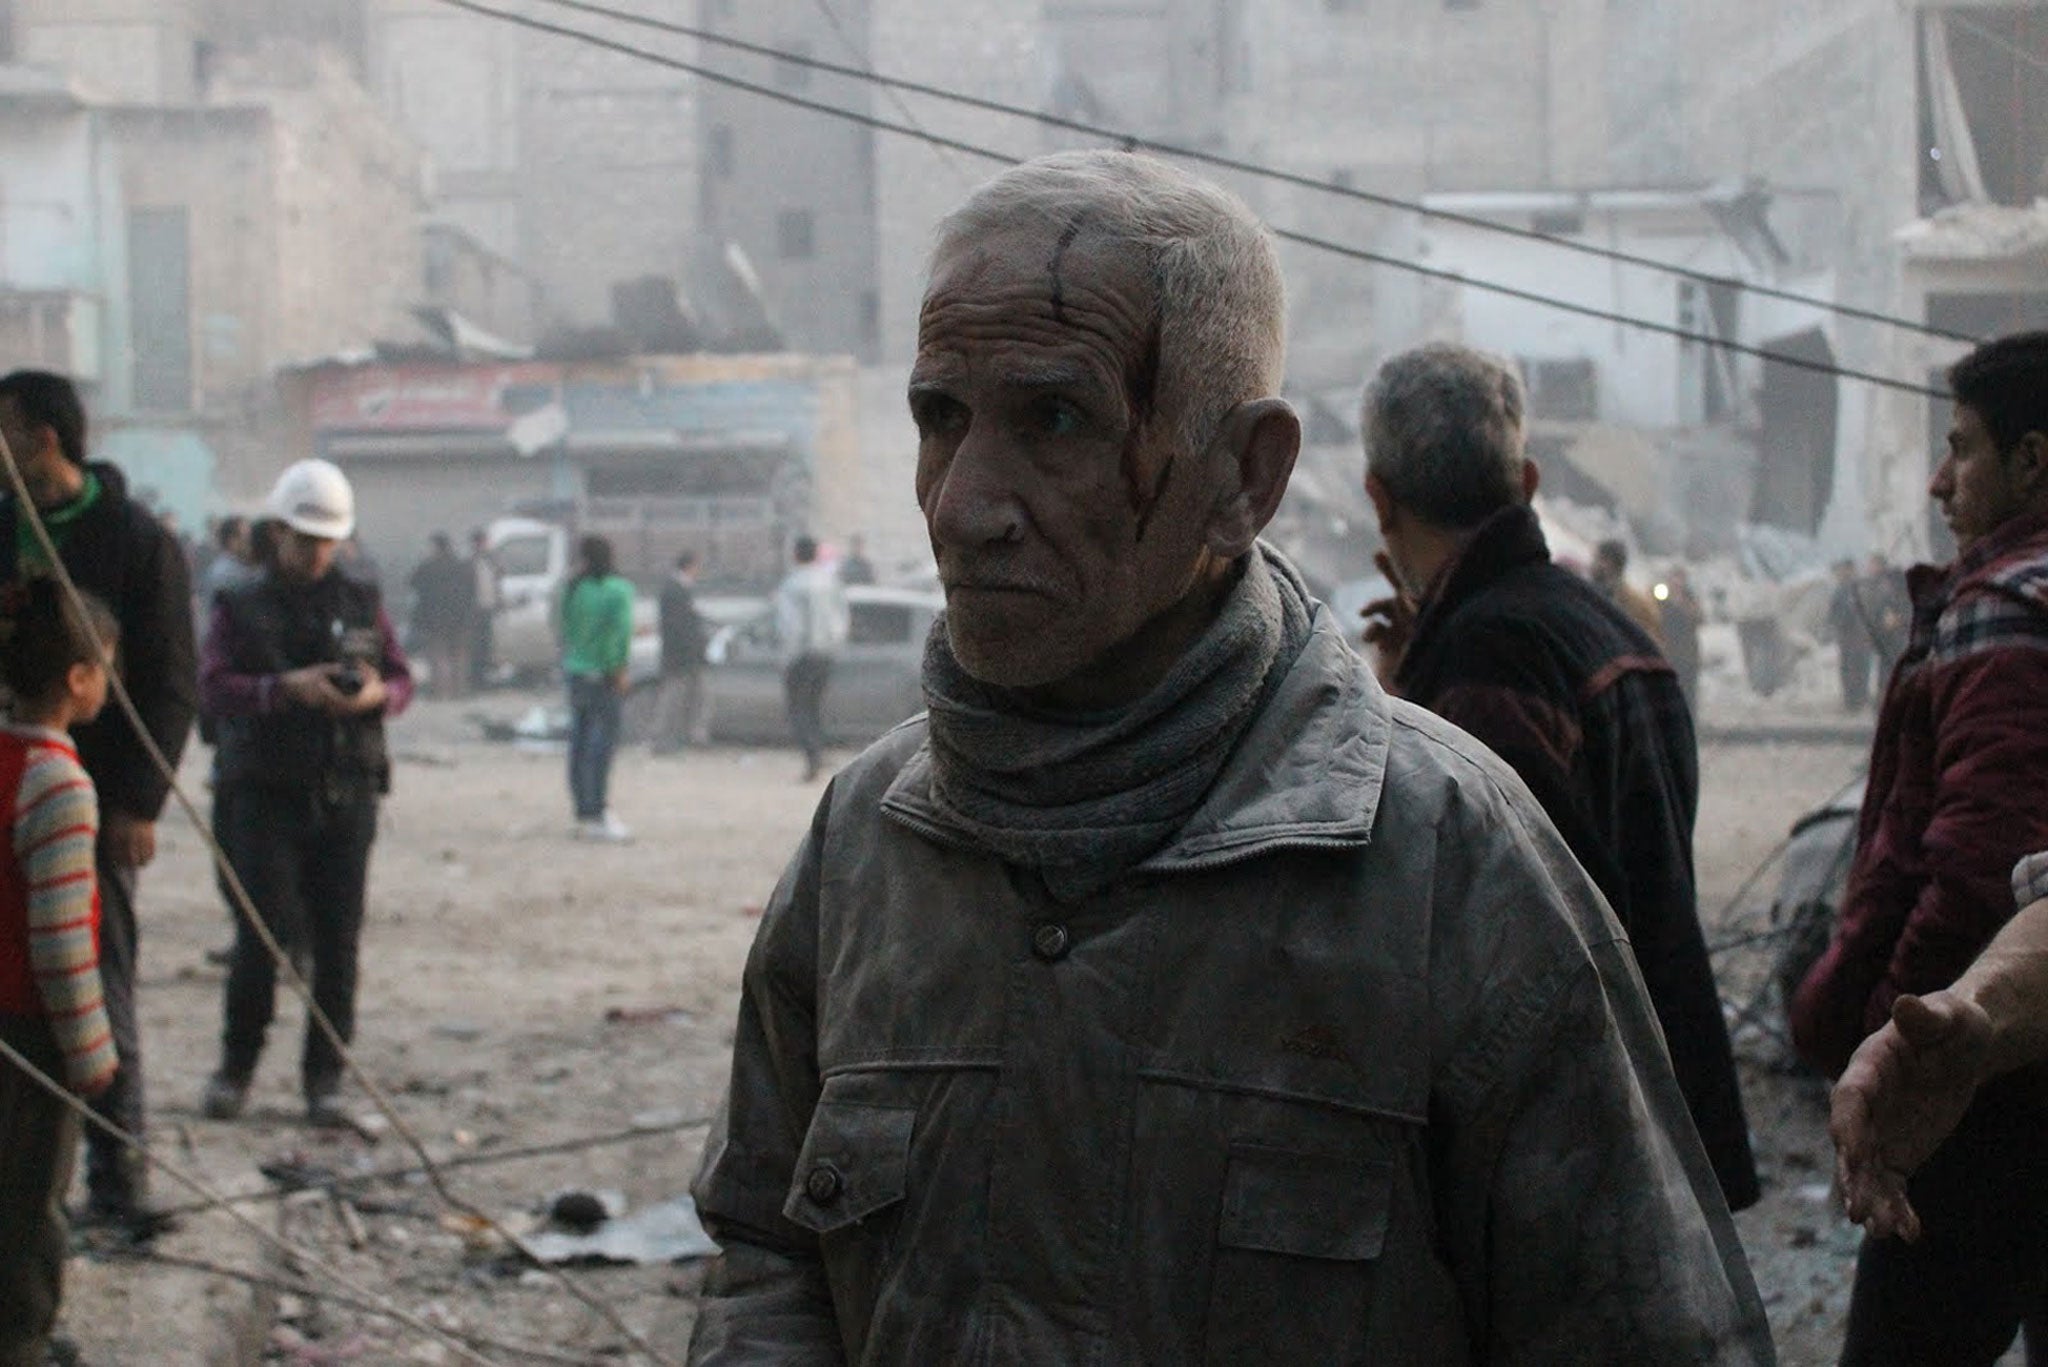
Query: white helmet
(313, 497)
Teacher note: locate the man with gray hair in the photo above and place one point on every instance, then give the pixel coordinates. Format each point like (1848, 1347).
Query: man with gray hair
(1488, 633)
(1169, 994)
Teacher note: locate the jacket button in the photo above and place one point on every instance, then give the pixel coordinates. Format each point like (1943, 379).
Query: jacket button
(1051, 942)
(823, 1184)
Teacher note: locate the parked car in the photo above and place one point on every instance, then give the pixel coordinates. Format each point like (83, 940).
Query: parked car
(876, 682)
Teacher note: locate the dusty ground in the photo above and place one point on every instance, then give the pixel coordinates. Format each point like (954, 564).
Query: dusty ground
(520, 988)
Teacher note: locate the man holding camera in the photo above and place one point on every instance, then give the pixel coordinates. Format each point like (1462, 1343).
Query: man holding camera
(300, 667)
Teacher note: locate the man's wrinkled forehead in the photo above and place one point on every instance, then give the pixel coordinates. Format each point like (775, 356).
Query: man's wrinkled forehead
(1039, 285)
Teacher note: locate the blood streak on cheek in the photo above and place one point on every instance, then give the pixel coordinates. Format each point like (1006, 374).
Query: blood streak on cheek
(1143, 488)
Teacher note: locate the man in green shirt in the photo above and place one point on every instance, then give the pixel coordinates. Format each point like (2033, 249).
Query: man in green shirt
(596, 625)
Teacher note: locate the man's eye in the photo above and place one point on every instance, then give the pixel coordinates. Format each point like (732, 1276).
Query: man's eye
(1056, 418)
(936, 415)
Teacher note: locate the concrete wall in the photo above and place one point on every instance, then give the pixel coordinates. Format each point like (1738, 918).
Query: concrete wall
(579, 165)
(784, 161)
(1639, 372)
(303, 208)
(140, 51)
(1402, 97)
(916, 184)
(50, 205)
(608, 171)
(217, 166)
(63, 245)
(452, 81)
(347, 202)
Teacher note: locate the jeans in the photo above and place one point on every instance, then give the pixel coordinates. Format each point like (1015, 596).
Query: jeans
(116, 1177)
(304, 862)
(803, 691)
(594, 709)
(1980, 1268)
(38, 1139)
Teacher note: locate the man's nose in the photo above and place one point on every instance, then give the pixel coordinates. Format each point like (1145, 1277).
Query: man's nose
(975, 502)
(1942, 484)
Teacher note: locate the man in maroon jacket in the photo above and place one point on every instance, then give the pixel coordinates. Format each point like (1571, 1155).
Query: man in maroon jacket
(1955, 798)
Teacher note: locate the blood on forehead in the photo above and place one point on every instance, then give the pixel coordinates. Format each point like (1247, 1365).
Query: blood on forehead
(1092, 284)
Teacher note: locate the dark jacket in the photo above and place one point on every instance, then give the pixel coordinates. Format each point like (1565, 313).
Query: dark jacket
(1955, 794)
(444, 597)
(120, 553)
(682, 630)
(1850, 623)
(1539, 665)
(1356, 1069)
(263, 629)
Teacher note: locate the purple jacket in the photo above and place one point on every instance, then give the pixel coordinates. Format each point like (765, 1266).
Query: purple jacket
(1954, 798)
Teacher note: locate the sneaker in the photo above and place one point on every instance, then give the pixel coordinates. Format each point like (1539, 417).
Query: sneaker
(587, 828)
(610, 828)
(224, 1097)
(325, 1111)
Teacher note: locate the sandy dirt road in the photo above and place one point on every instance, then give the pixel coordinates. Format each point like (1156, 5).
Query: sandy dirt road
(521, 988)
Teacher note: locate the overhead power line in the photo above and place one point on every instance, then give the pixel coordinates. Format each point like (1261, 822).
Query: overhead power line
(1130, 141)
(1360, 254)
(846, 39)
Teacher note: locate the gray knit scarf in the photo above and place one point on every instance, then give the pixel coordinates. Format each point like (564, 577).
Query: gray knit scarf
(1081, 799)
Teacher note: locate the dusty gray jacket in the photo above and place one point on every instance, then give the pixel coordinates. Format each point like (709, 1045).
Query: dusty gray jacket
(1356, 1070)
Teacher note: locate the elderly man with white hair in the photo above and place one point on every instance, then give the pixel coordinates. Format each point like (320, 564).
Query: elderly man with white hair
(1551, 673)
(1168, 993)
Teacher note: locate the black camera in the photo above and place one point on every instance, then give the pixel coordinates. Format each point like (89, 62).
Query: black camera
(355, 649)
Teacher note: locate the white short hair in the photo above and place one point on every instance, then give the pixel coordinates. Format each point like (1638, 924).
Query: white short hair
(1220, 308)
(1443, 431)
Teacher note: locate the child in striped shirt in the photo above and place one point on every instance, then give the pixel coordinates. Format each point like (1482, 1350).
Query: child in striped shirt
(50, 1006)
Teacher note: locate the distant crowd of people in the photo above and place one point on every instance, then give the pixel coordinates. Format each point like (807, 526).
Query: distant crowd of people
(454, 603)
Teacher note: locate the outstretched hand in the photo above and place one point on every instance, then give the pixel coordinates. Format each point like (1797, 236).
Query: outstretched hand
(1902, 1094)
(1389, 623)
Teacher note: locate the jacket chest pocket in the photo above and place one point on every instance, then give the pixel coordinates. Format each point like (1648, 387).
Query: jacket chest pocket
(1298, 1241)
(848, 1188)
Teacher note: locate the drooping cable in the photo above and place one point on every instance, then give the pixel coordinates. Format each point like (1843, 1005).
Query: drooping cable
(1359, 254)
(383, 1304)
(1134, 142)
(245, 908)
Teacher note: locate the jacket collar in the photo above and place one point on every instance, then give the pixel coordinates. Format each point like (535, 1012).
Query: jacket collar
(1308, 772)
(1508, 540)
(1933, 586)
(113, 493)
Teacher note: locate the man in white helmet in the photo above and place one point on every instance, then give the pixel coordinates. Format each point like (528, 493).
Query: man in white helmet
(301, 667)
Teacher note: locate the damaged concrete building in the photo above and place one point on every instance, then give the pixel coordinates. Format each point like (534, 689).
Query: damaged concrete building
(1799, 146)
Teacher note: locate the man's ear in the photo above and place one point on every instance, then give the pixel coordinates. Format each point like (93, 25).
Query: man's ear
(1253, 454)
(2029, 463)
(1382, 501)
(1531, 478)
